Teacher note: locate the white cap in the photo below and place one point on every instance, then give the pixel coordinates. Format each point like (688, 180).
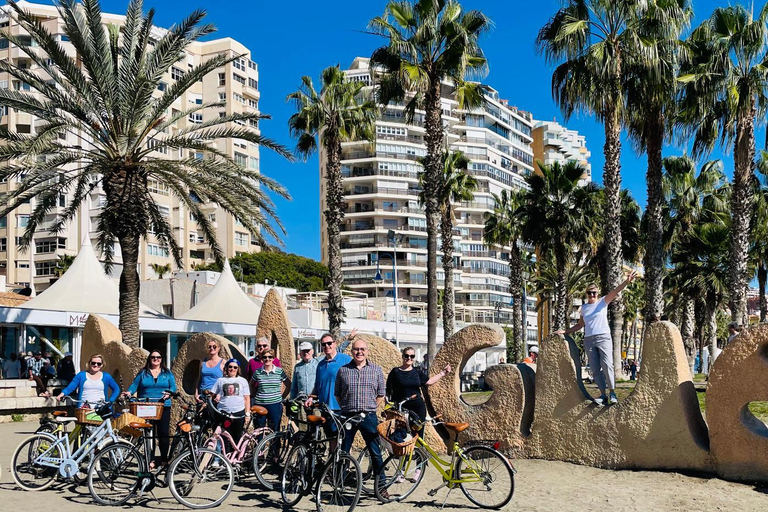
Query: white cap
(305, 345)
(534, 349)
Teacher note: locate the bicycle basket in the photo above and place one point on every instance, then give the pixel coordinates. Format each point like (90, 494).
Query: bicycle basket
(147, 410)
(387, 429)
(123, 424)
(86, 416)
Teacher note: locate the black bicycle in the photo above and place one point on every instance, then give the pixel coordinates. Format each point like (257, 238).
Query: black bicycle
(271, 452)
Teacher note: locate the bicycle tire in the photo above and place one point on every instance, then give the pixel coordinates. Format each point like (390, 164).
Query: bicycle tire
(22, 463)
(340, 485)
(115, 473)
(402, 475)
(493, 468)
(295, 479)
(269, 457)
(206, 472)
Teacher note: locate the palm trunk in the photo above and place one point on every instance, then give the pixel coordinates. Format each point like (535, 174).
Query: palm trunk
(446, 227)
(711, 332)
(634, 340)
(560, 291)
(516, 290)
(612, 243)
(129, 291)
(762, 276)
(654, 253)
(741, 212)
(687, 332)
(434, 142)
(334, 215)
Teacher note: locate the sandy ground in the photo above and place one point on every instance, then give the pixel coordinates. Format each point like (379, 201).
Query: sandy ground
(540, 486)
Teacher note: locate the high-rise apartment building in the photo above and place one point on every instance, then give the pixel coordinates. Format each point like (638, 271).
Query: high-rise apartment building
(381, 185)
(553, 142)
(236, 83)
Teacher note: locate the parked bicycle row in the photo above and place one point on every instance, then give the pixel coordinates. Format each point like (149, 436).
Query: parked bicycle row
(234, 431)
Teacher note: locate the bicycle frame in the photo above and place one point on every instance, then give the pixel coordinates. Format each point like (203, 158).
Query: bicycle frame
(448, 468)
(237, 455)
(62, 446)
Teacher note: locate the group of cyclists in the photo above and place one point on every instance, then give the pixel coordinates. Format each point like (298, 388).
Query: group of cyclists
(347, 389)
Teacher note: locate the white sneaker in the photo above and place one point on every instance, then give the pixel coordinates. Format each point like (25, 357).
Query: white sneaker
(416, 475)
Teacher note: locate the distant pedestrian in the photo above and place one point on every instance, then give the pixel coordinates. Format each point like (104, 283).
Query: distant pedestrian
(66, 368)
(36, 372)
(533, 355)
(597, 337)
(12, 367)
(632, 370)
(733, 331)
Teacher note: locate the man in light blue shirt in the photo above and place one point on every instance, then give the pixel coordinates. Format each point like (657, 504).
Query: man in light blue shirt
(305, 371)
(327, 368)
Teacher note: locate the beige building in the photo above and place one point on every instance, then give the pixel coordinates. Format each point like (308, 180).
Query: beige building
(553, 142)
(236, 83)
(381, 185)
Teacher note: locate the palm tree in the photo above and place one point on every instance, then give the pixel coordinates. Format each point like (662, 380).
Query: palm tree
(338, 113)
(651, 109)
(107, 94)
(429, 42)
(723, 90)
(592, 42)
(558, 213)
(65, 261)
(456, 185)
(545, 281)
(504, 227)
(160, 270)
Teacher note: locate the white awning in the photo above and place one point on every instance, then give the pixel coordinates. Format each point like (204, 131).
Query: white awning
(227, 302)
(84, 288)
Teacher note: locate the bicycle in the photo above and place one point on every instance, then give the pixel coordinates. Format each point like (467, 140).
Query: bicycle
(337, 481)
(120, 472)
(242, 450)
(483, 474)
(270, 453)
(39, 459)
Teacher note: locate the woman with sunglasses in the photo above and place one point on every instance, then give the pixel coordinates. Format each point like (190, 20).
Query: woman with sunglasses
(211, 369)
(256, 363)
(597, 338)
(233, 397)
(154, 382)
(270, 384)
(92, 384)
(406, 380)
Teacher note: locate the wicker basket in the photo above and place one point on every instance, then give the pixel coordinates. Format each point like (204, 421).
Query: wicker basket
(386, 428)
(147, 410)
(122, 424)
(86, 416)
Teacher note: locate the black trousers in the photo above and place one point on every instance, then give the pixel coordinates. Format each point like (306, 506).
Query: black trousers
(162, 433)
(418, 410)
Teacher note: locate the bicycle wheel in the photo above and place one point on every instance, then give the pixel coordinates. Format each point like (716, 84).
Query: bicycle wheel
(402, 475)
(115, 473)
(295, 479)
(340, 485)
(488, 477)
(200, 478)
(268, 458)
(27, 472)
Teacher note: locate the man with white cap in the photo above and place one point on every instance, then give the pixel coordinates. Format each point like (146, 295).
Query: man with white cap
(305, 371)
(533, 355)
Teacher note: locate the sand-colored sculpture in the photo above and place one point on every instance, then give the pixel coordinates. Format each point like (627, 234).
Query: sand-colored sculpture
(659, 426)
(506, 416)
(101, 336)
(274, 325)
(382, 353)
(739, 376)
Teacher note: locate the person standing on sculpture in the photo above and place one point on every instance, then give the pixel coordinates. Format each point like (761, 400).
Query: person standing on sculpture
(597, 338)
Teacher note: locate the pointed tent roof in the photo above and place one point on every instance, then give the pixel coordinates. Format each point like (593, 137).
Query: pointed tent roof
(227, 302)
(84, 288)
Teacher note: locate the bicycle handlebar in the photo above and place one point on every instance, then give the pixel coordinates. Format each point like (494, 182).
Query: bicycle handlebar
(212, 405)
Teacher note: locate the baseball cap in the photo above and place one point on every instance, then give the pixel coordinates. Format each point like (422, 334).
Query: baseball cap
(534, 349)
(305, 346)
(67, 354)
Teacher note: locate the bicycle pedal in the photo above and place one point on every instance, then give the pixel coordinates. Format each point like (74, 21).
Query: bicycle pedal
(433, 492)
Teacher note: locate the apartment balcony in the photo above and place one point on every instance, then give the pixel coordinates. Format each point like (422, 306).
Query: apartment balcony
(400, 138)
(474, 205)
(487, 271)
(482, 254)
(384, 191)
(487, 287)
(357, 172)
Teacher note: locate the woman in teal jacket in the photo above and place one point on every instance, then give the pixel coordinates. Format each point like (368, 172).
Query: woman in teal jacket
(93, 384)
(154, 382)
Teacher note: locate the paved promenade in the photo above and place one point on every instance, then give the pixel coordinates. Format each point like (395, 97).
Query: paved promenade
(540, 486)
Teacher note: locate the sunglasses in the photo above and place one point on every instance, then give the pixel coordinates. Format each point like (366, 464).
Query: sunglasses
(212, 346)
(232, 367)
(156, 357)
(327, 343)
(409, 356)
(268, 358)
(94, 363)
(592, 294)
(262, 346)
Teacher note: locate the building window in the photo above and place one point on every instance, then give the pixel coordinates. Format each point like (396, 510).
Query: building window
(253, 123)
(198, 155)
(154, 144)
(157, 250)
(253, 84)
(251, 64)
(222, 79)
(162, 86)
(253, 163)
(196, 118)
(212, 217)
(176, 73)
(222, 96)
(254, 104)
(3, 244)
(157, 187)
(239, 79)
(192, 238)
(4, 222)
(241, 159)
(22, 221)
(164, 210)
(241, 239)
(239, 64)
(48, 246)
(45, 268)
(198, 255)
(3, 44)
(239, 98)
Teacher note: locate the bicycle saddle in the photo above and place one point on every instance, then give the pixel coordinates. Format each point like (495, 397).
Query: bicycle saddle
(58, 413)
(457, 427)
(65, 419)
(139, 424)
(257, 409)
(315, 419)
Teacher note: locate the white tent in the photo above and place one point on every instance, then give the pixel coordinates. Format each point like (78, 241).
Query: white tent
(227, 303)
(84, 288)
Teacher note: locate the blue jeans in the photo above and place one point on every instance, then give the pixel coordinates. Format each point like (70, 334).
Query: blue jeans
(273, 417)
(367, 428)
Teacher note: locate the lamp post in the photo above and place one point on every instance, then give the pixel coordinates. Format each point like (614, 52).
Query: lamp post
(498, 306)
(394, 237)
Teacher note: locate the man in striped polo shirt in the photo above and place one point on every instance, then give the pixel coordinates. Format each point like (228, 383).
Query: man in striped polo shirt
(269, 385)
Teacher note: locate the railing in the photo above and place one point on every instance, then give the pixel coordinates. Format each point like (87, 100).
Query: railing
(400, 138)
(470, 270)
(362, 172)
(385, 190)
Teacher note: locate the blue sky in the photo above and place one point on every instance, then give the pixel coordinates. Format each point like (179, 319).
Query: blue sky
(303, 37)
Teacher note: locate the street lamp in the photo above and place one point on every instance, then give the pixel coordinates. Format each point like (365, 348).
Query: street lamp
(394, 238)
(498, 307)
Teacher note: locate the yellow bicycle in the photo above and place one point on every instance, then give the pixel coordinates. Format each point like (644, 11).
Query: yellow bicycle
(483, 474)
